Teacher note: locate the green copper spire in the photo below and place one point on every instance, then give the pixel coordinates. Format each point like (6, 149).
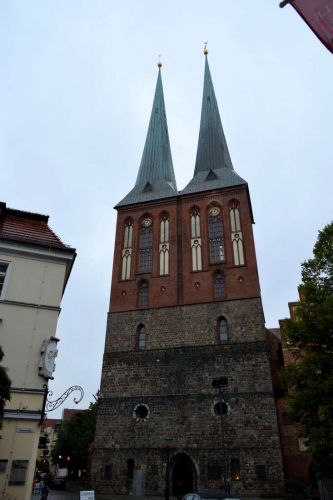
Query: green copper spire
(156, 178)
(213, 166)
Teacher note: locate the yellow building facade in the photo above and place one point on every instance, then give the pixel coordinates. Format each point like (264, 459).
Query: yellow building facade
(34, 268)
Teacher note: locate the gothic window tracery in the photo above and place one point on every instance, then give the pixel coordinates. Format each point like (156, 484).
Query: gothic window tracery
(126, 256)
(236, 234)
(164, 246)
(196, 240)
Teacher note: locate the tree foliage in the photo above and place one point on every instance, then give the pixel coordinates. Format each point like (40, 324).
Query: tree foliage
(74, 439)
(5, 384)
(309, 337)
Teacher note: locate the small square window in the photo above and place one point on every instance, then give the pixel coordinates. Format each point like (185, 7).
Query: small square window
(18, 472)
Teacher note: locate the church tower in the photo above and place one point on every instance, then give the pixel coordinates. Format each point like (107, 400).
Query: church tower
(185, 310)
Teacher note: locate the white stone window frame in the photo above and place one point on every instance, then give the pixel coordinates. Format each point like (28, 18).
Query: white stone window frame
(236, 234)
(164, 245)
(6, 278)
(126, 254)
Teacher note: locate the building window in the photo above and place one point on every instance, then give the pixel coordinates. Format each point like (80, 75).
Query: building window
(3, 465)
(236, 234)
(130, 468)
(141, 412)
(222, 330)
(196, 240)
(261, 472)
(235, 469)
(217, 408)
(219, 286)
(126, 255)
(143, 294)
(18, 472)
(142, 337)
(216, 241)
(3, 272)
(146, 246)
(164, 245)
(108, 471)
(214, 472)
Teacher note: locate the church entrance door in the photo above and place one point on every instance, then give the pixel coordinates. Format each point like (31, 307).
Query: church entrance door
(183, 475)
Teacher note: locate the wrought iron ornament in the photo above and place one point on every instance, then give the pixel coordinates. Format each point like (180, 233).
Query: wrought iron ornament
(53, 405)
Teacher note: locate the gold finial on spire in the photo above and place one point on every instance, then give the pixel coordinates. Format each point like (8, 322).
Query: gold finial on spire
(159, 62)
(205, 50)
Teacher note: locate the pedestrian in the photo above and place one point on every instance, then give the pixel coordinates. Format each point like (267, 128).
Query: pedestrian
(44, 491)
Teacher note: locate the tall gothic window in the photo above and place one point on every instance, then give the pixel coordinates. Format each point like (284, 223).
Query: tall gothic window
(143, 298)
(196, 240)
(222, 330)
(146, 246)
(216, 241)
(236, 234)
(141, 337)
(219, 286)
(164, 245)
(126, 255)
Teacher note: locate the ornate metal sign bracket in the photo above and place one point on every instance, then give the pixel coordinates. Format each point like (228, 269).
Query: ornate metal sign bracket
(53, 405)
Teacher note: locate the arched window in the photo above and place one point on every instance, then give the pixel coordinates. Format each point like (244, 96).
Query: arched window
(219, 286)
(235, 469)
(143, 294)
(142, 337)
(236, 233)
(126, 256)
(216, 240)
(222, 330)
(164, 245)
(146, 246)
(196, 240)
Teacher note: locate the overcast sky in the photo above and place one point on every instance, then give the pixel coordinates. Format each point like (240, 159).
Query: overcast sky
(77, 79)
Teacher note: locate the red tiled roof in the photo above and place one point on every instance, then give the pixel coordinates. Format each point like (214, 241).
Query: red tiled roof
(27, 227)
(68, 413)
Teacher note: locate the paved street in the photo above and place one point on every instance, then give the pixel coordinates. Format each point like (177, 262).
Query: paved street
(72, 492)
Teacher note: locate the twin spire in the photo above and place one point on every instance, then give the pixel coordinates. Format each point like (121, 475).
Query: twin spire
(213, 167)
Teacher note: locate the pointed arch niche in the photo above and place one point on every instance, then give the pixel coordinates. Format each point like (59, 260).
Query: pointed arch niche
(222, 330)
(236, 233)
(164, 245)
(141, 336)
(196, 245)
(126, 255)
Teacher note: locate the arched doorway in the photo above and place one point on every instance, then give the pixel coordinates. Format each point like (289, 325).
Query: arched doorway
(183, 475)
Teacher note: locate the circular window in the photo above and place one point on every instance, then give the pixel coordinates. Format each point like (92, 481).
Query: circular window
(217, 408)
(141, 412)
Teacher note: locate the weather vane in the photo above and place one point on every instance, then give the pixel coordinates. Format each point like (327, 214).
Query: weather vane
(205, 51)
(159, 63)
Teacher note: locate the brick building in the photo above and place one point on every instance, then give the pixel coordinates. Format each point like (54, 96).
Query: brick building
(185, 308)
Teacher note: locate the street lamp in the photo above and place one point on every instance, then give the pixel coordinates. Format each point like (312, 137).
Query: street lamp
(219, 383)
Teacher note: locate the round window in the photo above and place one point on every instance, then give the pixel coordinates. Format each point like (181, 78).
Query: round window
(141, 412)
(217, 408)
